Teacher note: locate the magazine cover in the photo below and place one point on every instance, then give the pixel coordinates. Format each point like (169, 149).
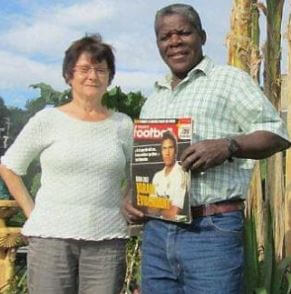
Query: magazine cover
(160, 185)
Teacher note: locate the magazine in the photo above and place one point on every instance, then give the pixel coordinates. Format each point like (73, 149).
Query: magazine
(160, 185)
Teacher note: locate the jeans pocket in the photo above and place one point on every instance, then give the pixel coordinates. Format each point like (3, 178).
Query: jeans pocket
(229, 222)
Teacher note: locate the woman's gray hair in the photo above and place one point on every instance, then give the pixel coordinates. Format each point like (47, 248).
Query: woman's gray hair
(182, 9)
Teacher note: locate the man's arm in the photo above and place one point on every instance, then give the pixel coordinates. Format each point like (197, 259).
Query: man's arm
(205, 154)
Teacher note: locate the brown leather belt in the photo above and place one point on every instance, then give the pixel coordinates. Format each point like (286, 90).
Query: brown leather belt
(216, 208)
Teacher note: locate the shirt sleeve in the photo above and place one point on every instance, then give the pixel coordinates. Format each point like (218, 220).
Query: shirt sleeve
(178, 188)
(25, 148)
(155, 183)
(252, 109)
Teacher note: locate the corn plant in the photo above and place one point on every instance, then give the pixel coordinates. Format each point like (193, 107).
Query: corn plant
(243, 52)
(288, 153)
(238, 40)
(272, 87)
(264, 225)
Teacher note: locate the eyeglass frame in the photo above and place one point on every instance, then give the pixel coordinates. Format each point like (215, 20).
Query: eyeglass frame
(87, 69)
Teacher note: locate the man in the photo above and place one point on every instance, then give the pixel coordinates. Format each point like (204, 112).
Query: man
(171, 181)
(234, 122)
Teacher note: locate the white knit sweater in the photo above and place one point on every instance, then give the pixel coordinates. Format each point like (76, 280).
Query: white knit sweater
(83, 165)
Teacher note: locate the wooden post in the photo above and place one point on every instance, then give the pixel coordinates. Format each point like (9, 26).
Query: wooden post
(10, 239)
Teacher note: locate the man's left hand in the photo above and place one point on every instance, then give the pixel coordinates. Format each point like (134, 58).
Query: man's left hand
(205, 154)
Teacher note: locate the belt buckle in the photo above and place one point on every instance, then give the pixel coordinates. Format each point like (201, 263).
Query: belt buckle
(207, 209)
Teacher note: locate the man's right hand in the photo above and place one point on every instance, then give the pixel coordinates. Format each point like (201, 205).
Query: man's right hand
(131, 214)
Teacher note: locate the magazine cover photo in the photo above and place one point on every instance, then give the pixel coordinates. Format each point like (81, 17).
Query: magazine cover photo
(160, 185)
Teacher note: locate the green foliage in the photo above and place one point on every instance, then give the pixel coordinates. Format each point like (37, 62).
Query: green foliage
(267, 276)
(115, 99)
(4, 193)
(288, 276)
(50, 96)
(260, 291)
(4, 112)
(263, 169)
(18, 118)
(130, 103)
(4, 126)
(133, 260)
(35, 185)
(18, 285)
(252, 274)
(34, 105)
(32, 171)
(17, 220)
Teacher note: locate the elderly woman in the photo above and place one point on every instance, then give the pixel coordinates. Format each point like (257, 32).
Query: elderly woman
(75, 229)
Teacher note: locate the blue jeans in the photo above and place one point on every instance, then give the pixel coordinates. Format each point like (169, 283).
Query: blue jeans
(205, 257)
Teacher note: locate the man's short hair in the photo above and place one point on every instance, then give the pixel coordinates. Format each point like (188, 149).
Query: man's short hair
(168, 135)
(182, 9)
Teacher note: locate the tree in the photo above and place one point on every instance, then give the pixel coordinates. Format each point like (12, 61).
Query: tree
(130, 103)
(48, 96)
(18, 118)
(4, 111)
(4, 127)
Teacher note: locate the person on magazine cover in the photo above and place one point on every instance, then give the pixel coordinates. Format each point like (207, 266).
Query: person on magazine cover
(171, 181)
(233, 122)
(76, 231)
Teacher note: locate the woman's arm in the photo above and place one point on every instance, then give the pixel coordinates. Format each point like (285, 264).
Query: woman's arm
(17, 189)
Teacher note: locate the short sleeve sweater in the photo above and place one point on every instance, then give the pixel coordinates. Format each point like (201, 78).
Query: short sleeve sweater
(83, 165)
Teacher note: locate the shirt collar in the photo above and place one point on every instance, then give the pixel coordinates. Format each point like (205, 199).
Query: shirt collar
(172, 170)
(204, 66)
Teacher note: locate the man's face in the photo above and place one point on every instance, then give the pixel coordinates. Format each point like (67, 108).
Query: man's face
(179, 43)
(168, 152)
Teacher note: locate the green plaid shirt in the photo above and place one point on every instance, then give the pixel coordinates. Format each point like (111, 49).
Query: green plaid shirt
(223, 101)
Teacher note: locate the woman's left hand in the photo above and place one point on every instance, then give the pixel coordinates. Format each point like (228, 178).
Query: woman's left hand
(131, 214)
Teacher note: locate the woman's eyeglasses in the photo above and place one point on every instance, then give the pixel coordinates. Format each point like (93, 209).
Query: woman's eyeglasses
(85, 70)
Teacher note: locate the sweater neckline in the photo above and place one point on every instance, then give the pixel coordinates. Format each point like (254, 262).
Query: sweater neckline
(85, 122)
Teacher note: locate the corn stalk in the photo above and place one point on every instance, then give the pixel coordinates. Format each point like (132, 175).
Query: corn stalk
(276, 275)
(272, 85)
(264, 220)
(255, 56)
(243, 52)
(255, 202)
(288, 154)
(273, 51)
(238, 40)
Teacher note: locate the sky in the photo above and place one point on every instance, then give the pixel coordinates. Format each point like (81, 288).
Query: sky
(35, 33)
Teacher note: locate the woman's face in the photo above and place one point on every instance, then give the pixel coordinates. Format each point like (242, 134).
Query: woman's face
(89, 79)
